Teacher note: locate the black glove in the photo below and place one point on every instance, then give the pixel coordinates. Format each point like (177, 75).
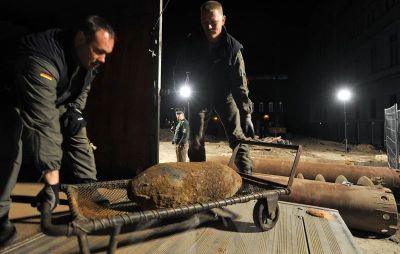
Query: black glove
(72, 121)
(247, 126)
(172, 129)
(49, 194)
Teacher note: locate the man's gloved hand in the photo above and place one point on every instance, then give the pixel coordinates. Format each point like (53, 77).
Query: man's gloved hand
(247, 126)
(72, 121)
(49, 194)
(172, 129)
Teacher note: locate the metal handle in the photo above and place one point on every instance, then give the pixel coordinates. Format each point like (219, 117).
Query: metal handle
(293, 171)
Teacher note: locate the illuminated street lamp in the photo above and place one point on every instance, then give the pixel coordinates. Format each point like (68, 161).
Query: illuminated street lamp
(344, 95)
(186, 91)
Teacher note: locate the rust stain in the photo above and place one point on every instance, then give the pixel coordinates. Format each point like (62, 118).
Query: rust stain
(319, 213)
(221, 250)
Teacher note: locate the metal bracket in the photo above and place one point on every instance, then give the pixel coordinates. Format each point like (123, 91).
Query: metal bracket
(293, 171)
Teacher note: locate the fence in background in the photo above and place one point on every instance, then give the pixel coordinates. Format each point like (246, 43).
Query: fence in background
(392, 135)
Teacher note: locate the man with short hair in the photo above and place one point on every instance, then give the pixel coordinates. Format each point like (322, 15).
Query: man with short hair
(181, 134)
(43, 105)
(215, 64)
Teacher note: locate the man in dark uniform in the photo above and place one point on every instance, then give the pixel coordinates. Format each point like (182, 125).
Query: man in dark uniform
(181, 135)
(215, 64)
(43, 107)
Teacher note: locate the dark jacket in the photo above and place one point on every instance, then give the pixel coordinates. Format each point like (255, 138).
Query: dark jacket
(42, 100)
(181, 132)
(215, 71)
(56, 47)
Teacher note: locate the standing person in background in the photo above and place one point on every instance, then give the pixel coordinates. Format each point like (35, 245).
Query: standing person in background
(43, 102)
(218, 79)
(181, 135)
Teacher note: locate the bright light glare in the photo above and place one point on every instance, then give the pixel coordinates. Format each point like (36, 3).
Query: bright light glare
(344, 95)
(185, 91)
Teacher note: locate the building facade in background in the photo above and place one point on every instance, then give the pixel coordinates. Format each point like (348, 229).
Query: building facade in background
(353, 44)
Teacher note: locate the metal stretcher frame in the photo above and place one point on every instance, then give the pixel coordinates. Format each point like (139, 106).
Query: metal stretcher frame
(265, 212)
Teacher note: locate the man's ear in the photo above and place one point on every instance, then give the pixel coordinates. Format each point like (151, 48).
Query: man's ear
(223, 20)
(80, 38)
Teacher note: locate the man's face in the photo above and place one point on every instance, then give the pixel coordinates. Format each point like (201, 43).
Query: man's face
(93, 53)
(179, 116)
(212, 23)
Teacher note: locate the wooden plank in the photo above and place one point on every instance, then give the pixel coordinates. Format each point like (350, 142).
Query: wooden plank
(295, 232)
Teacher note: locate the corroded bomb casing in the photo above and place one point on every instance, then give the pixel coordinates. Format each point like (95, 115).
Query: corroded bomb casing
(183, 183)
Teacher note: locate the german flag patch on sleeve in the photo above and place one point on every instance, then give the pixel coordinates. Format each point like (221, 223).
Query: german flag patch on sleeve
(46, 76)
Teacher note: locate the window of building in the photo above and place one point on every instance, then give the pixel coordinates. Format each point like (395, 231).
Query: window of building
(374, 58)
(357, 112)
(371, 16)
(389, 4)
(357, 65)
(372, 108)
(392, 99)
(270, 106)
(280, 104)
(394, 49)
(261, 107)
